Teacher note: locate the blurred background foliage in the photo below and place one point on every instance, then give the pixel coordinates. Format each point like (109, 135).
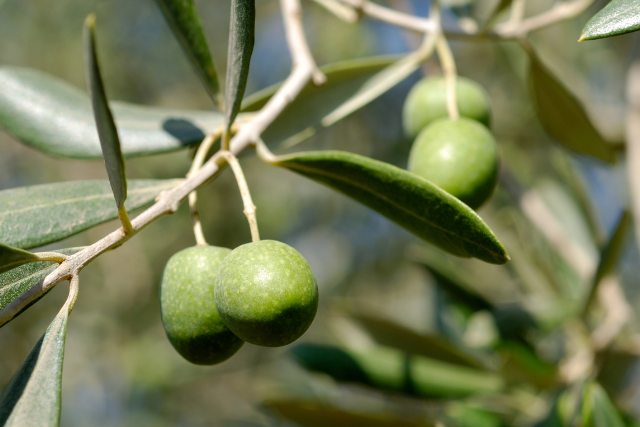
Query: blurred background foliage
(387, 301)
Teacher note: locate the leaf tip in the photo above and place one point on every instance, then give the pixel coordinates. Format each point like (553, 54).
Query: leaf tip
(90, 21)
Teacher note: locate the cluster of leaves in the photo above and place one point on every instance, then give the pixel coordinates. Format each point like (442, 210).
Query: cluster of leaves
(49, 115)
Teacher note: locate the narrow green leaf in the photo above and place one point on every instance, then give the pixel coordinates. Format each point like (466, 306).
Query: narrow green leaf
(16, 282)
(609, 257)
(610, 254)
(412, 202)
(42, 214)
(52, 116)
(562, 115)
(454, 280)
(11, 258)
(241, 40)
(107, 132)
(317, 414)
(184, 20)
(597, 409)
(390, 369)
(391, 334)
(616, 18)
(33, 397)
(304, 115)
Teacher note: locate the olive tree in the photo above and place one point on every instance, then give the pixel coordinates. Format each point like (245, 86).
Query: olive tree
(491, 363)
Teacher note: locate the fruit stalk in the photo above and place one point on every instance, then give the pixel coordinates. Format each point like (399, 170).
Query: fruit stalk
(249, 207)
(198, 161)
(450, 74)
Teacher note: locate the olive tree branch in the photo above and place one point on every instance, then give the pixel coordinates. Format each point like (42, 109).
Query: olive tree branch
(559, 12)
(304, 69)
(507, 30)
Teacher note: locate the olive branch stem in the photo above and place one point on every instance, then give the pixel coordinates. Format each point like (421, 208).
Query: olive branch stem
(304, 69)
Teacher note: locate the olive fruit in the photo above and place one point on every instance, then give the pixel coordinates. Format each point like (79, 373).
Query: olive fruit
(460, 156)
(188, 306)
(427, 101)
(266, 293)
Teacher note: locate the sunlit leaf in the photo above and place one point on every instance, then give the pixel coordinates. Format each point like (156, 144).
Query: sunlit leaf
(386, 368)
(412, 202)
(52, 116)
(11, 258)
(42, 214)
(297, 121)
(107, 132)
(616, 18)
(19, 280)
(241, 40)
(184, 20)
(316, 414)
(562, 115)
(33, 397)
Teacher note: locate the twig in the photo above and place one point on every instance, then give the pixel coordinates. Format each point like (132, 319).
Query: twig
(303, 70)
(559, 12)
(393, 17)
(249, 207)
(517, 12)
(448, 64)
(343, 12)
(507, 30)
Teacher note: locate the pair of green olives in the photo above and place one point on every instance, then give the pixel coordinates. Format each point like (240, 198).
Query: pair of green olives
(460, 156)
(213, 299)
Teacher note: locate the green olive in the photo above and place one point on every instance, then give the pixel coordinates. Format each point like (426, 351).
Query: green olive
(459, 156)
(188, 306)
(427, 101)
(266, 293)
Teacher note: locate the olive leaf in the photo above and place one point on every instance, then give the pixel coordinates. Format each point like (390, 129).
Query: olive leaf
(597, 409)
(405, 198)
(610, 254)
(241, 40)
(11, 258)
(107, 132)
(184, 20)
(16, 282)
(52, 116)
(42, 214)
(391, 334)
(311, 413)
(304, 116)
(562, 115)
(616, 18)
(33, 397)
(389, 369)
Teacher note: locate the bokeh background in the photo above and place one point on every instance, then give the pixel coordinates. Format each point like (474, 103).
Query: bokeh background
(119, 369)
